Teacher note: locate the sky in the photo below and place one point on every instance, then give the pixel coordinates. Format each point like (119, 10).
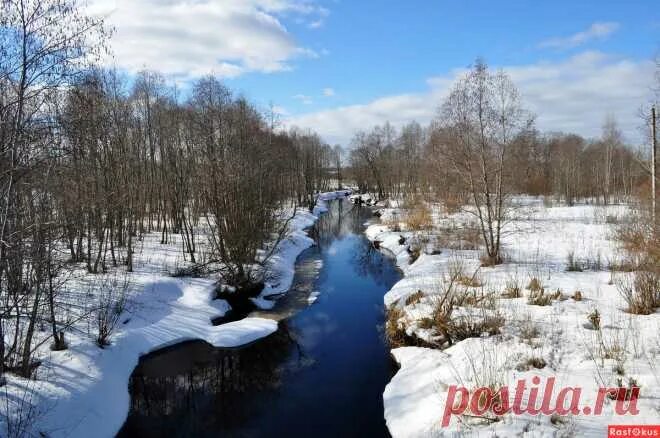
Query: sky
(340, 66)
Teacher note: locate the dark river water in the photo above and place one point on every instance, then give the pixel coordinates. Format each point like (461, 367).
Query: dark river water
(322, 374)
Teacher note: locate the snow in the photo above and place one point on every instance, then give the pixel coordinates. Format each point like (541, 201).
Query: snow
(83, 391)
(538, 246)
(413, 399)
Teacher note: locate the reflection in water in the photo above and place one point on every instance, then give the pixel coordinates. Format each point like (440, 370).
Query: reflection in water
(322, 374)
(192, 389)
(342, 219)
(370, 262)
(345, 219)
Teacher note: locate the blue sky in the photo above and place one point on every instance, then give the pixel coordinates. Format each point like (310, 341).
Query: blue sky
(337, 65)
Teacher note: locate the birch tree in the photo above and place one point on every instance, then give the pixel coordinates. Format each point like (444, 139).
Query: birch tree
(482, 116)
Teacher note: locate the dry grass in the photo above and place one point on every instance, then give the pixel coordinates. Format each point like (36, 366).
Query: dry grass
(512, 292)
(414, 252)
(473, 326)
(479, 298)
(534, 285)
(531, 363)
(641, 243)
(453, 204)
(426, 323)
(460, 236)
(540, 298)
(419, 218)
(453, 294)
(559, 295)
(577, 295)
(393, 224)
(625, 392)
(488, 261)
(469, 281)
(594, 319)
(394, 330)
(528, 329)
(512, 289)
(414, 298)
(454, 329)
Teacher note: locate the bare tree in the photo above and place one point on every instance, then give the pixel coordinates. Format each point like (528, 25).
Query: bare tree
(482, 116)
(43, 46)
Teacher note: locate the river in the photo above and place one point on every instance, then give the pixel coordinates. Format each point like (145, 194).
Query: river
(321, 374)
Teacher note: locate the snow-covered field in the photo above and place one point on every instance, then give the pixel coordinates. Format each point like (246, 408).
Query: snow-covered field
(575, 353)
(83, 391)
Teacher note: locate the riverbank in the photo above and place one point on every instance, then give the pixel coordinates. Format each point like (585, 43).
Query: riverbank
(530, 316)
(82, 391)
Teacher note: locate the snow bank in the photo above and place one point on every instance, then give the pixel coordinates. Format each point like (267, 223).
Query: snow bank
(573, 351)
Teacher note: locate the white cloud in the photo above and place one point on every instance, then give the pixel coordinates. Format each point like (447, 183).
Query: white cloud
(190, 38)
(573, 95)
(328, 92)
(320, 21)
(595, 31)
(306, 100)
(315, 24)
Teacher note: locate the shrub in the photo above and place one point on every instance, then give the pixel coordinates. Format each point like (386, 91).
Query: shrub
(641, 242)
(572, 263)
(621, 266)
(577, 295)
(641, 292)
(112, 295)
